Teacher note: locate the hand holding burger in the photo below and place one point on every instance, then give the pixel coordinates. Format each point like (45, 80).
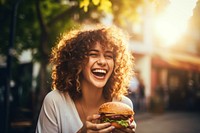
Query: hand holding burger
(118, 114)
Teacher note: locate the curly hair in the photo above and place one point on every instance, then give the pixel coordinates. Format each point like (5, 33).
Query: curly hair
(71, 53)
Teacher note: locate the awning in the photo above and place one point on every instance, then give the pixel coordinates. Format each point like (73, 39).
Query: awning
(176, 60)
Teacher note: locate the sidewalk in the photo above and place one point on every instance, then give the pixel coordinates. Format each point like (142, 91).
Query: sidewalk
(168, 122)
(143, 116)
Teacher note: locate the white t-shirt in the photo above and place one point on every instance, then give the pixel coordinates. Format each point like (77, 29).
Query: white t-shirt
(134, 84)
(59, 114)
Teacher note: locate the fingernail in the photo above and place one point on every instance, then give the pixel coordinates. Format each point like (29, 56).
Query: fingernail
(97, 115)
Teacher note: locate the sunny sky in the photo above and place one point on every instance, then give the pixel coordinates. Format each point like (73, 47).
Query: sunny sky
(172, 23)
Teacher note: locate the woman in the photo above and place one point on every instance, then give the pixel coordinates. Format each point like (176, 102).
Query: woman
(90, 67)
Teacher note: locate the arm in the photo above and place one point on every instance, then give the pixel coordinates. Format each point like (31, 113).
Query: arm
(47, 121)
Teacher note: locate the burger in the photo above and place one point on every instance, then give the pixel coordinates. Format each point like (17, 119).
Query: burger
(118, 114)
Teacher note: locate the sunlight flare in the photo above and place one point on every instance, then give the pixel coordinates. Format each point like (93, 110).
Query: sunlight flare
(172, 23)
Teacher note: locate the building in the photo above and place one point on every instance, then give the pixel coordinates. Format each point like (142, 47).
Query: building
(171, 74)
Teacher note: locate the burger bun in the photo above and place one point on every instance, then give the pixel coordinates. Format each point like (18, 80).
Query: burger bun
(116, 108)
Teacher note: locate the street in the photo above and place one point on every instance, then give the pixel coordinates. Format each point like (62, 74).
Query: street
(168, 122)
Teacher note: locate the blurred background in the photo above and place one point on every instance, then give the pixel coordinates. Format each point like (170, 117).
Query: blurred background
(164, 39)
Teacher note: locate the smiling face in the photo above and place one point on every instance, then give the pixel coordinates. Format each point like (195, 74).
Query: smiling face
(99, 67)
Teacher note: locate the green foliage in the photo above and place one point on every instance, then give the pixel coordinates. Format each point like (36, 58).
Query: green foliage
(102, 5)
(57, 17)
(27, 32)
(84, 4)
(127, 11)
(4, 24)
(50, 9)
(26, 29)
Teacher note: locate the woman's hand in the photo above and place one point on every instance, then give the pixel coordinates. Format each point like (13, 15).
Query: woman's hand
(131, 129)
(91, 126)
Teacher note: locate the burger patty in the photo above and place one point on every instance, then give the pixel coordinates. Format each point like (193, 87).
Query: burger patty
(114, 116)
(122, 120)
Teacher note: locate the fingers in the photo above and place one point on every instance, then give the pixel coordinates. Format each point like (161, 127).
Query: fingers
(131, 129)
(93, 117)
(133, 126)
(124, 130)
(101, 128)
(107, 130)
(94, 126)
(106, 127)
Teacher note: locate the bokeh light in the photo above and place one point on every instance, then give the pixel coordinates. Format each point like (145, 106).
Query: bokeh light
(172, 23)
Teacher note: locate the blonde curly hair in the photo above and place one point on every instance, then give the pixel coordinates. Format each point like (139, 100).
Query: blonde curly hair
(71, 53)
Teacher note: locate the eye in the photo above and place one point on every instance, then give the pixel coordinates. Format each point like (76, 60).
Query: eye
(93, 54)
(109, 56)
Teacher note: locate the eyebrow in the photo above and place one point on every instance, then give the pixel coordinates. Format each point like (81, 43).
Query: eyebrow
(107, 51)
(93, 50)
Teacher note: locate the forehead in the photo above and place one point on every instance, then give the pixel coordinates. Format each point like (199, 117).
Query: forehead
(100, 46)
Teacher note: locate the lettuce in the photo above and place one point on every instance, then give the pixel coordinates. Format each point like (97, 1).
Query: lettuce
(121, 122)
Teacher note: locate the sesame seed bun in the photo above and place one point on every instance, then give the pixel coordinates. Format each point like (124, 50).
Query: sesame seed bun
(116, 108)
(120, 115)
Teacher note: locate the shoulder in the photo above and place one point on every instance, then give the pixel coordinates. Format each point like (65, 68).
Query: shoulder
(126, 100)
(54, 102)
(53, 96)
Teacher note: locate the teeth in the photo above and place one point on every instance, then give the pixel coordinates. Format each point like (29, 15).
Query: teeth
(100, 71)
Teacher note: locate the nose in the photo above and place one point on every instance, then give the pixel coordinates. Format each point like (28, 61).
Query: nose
(101, 61)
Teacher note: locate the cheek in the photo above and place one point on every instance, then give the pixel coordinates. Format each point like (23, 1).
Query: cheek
(87, 68)
(87, 63)
(91, 61)
(111, 65)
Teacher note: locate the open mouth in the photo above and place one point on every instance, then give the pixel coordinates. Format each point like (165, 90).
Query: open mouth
(99, 72)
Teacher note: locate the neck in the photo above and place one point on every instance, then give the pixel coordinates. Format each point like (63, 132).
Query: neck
(92, 96)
